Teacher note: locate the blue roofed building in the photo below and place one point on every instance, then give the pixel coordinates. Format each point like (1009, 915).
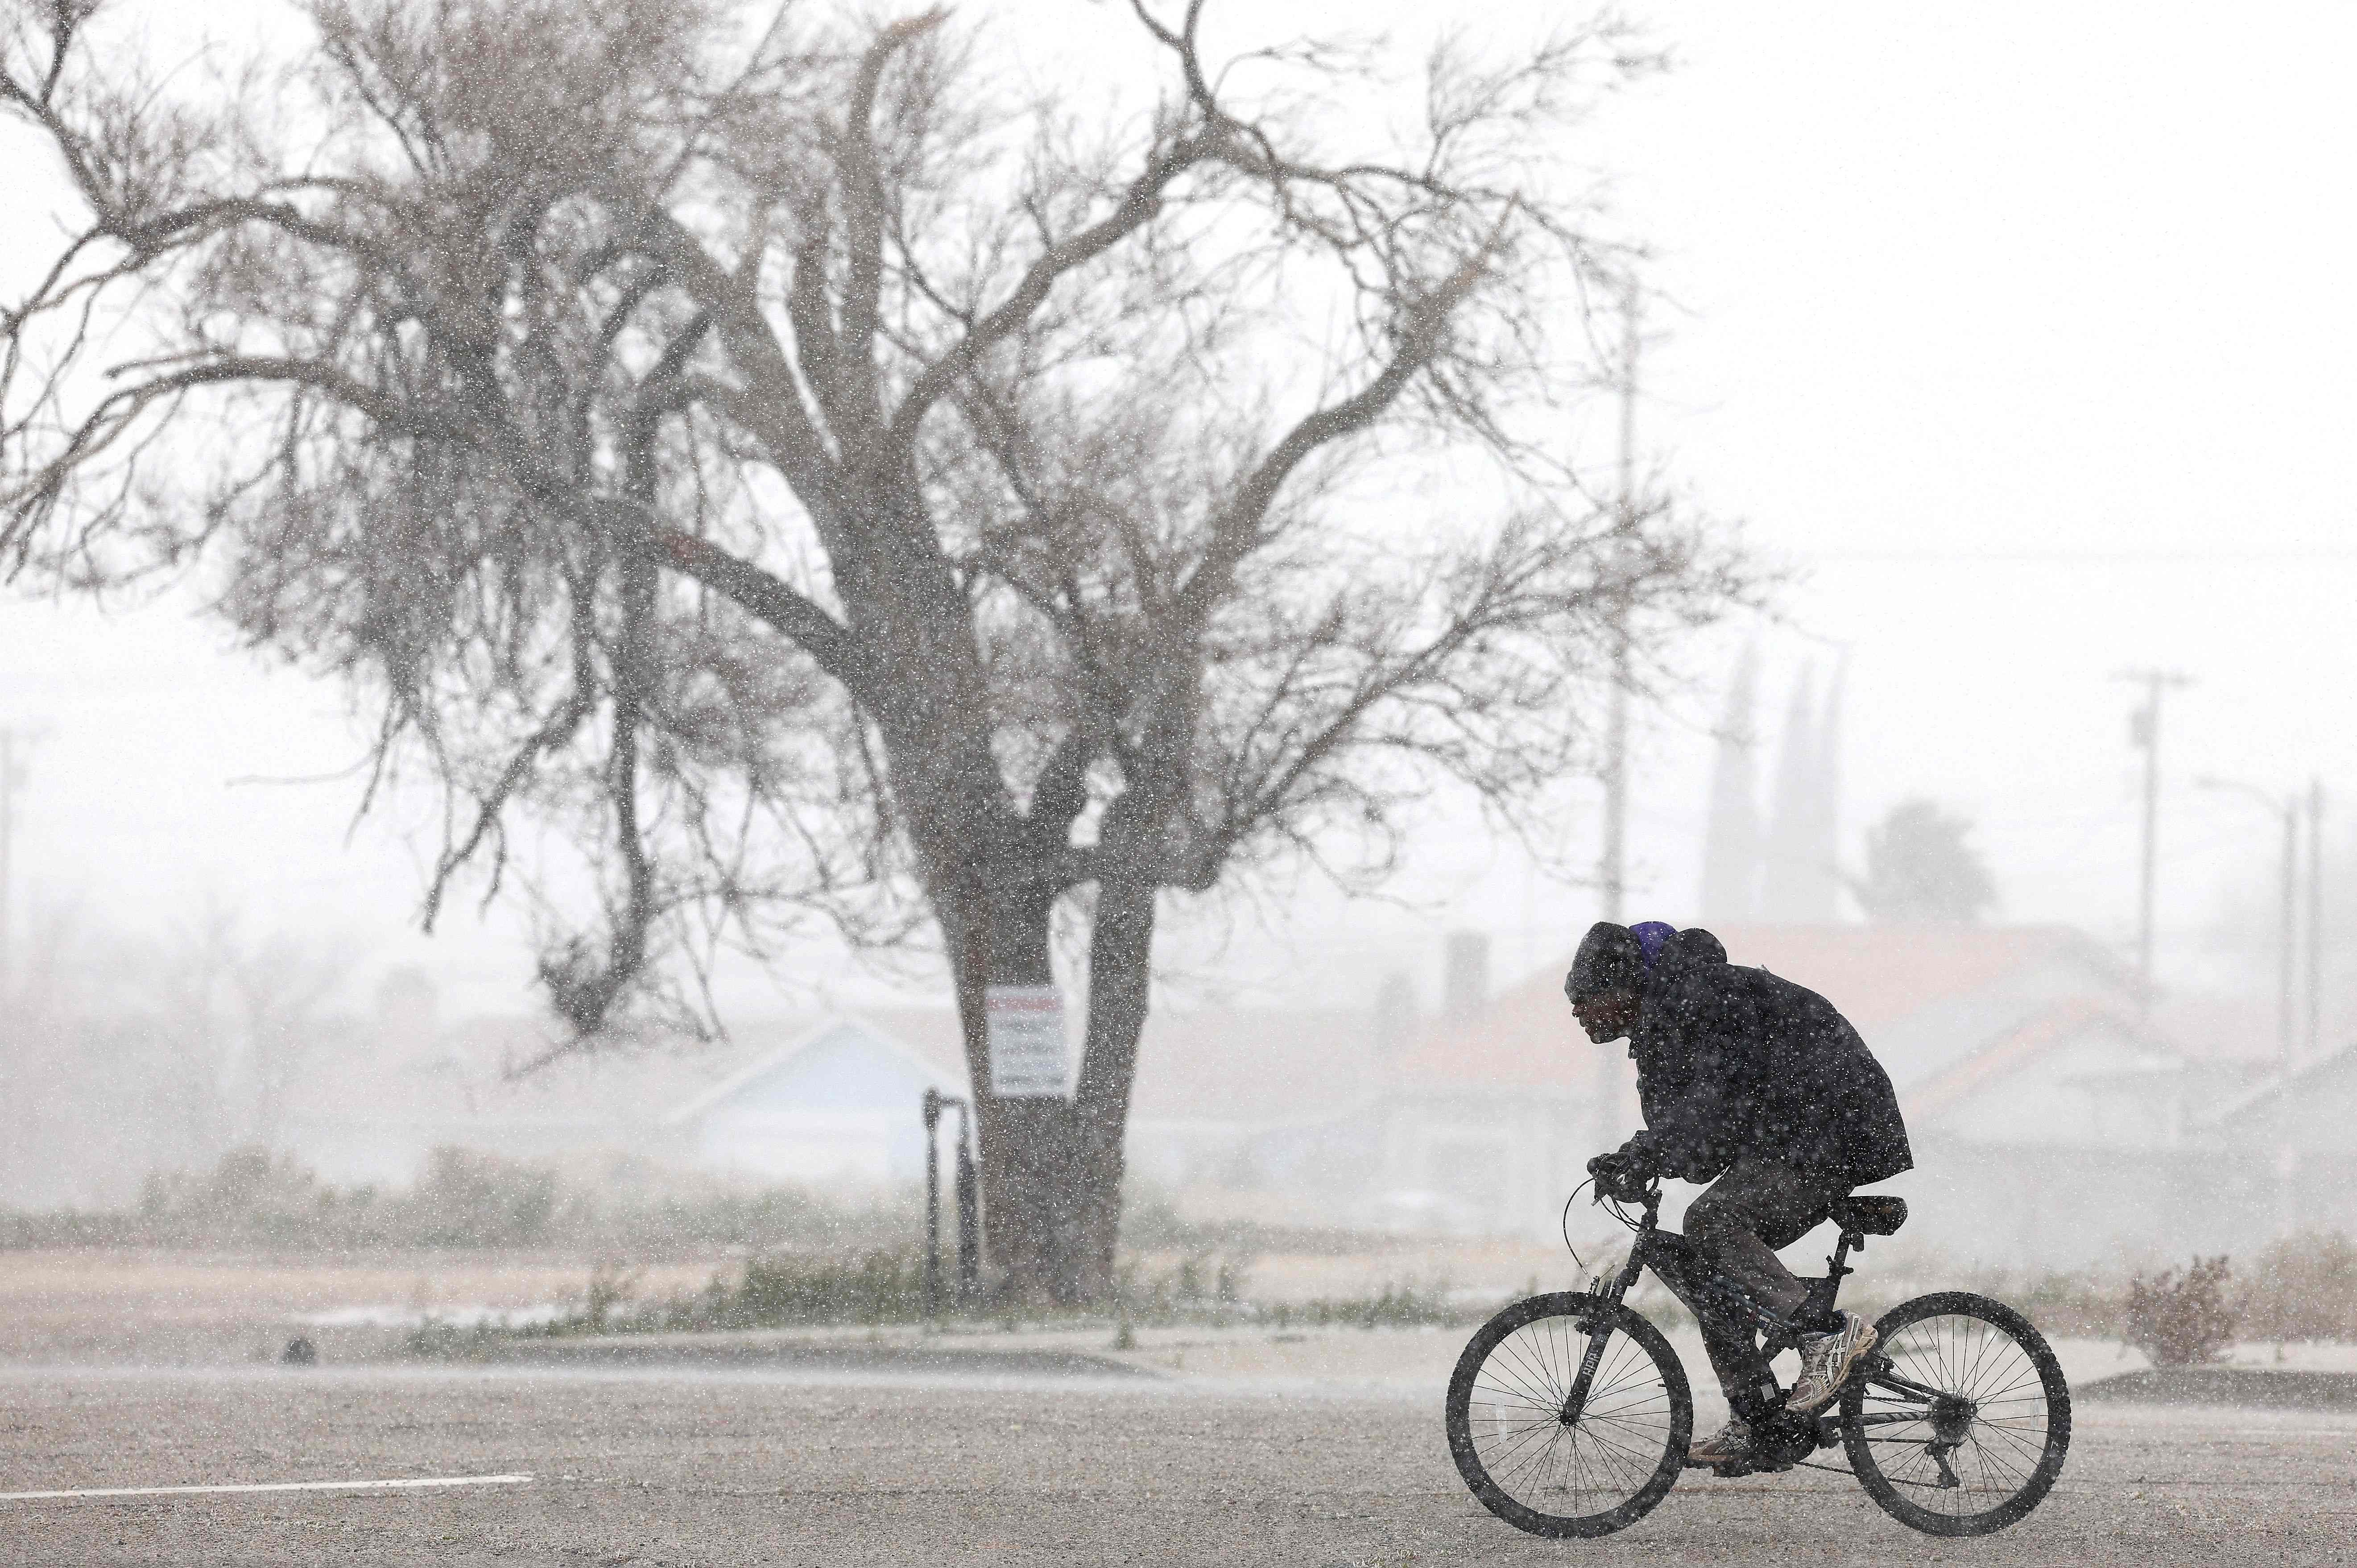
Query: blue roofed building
(837, 1104)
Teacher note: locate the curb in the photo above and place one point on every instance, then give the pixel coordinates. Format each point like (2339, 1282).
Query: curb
(688, 1350)
(2249, 1385)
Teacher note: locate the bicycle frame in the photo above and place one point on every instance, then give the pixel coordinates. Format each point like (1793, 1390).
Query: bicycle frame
(1781, 1332)
(1778, 1333)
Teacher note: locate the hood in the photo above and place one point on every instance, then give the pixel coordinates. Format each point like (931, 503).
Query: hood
(1687, 951)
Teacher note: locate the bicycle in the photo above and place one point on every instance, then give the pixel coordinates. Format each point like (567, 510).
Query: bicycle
(1570, 1414)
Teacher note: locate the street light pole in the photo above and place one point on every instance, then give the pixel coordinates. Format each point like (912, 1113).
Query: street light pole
(2287, 904)
(1613, 871)
(2143, 730)
(932, 1113)
(2314, 1042)
(969, 1209)
(2286, 1155)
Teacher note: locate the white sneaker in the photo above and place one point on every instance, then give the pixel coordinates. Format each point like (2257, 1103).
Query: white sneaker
(1825, 1363)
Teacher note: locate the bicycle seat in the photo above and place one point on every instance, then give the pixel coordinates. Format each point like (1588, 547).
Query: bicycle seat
(1870, 1215)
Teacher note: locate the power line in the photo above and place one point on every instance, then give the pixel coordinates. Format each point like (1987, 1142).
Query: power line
(2292, 556)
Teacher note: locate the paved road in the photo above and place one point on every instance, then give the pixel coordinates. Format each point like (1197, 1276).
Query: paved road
(647, 1466)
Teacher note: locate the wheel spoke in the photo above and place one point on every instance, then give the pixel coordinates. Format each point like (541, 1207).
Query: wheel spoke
(1991, 1380)
(1572, 1473)
(1516, 1363)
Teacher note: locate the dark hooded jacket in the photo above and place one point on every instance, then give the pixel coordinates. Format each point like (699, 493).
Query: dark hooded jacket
(1737, 1061)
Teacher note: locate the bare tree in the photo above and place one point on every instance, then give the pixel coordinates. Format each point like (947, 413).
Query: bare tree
(230, 1021)
(127, 1056)
(819, 478)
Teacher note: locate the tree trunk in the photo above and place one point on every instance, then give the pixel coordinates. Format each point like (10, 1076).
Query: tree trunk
(1121, 971)
(1051, 1168)
(1030, 1170)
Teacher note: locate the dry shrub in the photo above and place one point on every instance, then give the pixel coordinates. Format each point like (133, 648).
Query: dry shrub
(468, 1200)
(2182, 1322)
(2302, 1287)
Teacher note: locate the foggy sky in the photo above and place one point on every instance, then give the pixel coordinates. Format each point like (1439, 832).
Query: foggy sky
(2024, 332)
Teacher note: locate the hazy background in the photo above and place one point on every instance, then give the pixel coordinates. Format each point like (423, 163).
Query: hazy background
(2023, 335)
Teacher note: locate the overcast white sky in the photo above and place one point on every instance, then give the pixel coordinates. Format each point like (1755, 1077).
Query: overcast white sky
(2026, 330)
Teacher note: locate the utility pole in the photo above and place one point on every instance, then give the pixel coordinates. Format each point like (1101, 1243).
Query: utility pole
(2287, 1151)
(2287, 960)
(1613, 869)
(14, 1112)
(2287, 807)
(2143, 730)
(12, 779)
(2315, 1033)
(7, 844)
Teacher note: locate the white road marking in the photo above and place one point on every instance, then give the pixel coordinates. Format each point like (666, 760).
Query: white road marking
(274, 1486)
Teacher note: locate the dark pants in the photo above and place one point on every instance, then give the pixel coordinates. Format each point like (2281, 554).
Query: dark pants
(1732, 1232)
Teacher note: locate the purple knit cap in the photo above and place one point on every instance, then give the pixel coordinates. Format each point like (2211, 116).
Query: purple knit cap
(1651, 937)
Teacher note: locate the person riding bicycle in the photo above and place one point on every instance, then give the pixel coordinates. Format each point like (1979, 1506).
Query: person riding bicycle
(1761, 1089)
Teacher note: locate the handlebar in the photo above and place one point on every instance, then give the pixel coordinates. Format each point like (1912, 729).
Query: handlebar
(1625, 1189)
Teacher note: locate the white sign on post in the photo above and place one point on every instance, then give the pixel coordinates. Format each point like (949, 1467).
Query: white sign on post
(1026, 1041)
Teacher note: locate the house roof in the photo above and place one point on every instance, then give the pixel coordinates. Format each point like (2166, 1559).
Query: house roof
(461, 1084)
(2069, 1022)
(2223, 1029)
(1202, 1066)
(1928, 1000)
(2312, 1107)
(829, 1032)
(1879, 974)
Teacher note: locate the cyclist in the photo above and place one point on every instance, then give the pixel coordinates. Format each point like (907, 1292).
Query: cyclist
(1762, 1088)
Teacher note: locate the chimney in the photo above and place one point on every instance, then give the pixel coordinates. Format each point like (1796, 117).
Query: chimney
(1465, 985)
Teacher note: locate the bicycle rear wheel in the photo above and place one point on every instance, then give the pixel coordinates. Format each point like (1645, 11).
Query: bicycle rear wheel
(1549, 1456)
(1958, 1421)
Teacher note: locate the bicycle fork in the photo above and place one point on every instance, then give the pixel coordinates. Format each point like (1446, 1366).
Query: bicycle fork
(1598, 1329)
(1574, 1401)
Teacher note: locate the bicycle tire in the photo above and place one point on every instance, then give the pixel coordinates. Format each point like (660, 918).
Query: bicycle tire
(2001, 1457)
(1538, 1368)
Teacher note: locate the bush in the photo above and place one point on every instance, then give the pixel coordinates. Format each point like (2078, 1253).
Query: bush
(882, 1287)
(2302, 1287)
(2181, 1322)
(467, 1199)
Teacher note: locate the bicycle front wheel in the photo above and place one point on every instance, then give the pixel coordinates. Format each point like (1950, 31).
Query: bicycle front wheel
(1554, 1454)
(1958, 1420)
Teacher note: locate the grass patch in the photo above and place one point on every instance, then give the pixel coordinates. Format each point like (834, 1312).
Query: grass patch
(885, 1288)
(1393, 1305)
